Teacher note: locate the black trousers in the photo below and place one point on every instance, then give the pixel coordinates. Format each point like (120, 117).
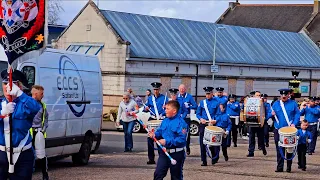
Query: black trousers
(252, 138)
(234, 130)
(43, 161)
(302, 151)
(280, 160)
(188, 121)
(203, 151)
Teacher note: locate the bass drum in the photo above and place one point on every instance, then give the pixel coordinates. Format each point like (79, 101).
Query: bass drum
(254, 112)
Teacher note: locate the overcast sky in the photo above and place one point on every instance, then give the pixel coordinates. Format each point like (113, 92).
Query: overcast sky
(207, 11)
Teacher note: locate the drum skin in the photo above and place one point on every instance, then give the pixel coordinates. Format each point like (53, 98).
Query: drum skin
(254, 112)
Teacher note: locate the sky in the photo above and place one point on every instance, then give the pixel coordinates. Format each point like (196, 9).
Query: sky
(208, 11)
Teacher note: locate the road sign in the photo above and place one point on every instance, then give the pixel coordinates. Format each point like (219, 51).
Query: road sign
(214, 68)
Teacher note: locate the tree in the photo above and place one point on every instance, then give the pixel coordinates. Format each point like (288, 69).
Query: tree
(54, 9)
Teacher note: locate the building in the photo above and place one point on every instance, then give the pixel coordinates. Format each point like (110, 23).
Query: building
(135, 50)
(283, 17)
(53, 32)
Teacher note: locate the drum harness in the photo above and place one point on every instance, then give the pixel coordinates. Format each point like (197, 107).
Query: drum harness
(209, 116)
(289, 124)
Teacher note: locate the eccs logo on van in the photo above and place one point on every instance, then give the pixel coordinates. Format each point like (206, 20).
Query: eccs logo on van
(70, 84)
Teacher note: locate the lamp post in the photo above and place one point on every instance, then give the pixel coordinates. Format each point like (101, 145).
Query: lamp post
(214, 50)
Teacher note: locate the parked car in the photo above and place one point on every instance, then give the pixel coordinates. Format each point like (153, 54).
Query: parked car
(144, 116)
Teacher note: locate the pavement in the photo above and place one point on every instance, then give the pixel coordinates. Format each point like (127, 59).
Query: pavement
(110, 162)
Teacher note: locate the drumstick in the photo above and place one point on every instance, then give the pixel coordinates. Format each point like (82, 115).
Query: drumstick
(173, 162)
(149, 109)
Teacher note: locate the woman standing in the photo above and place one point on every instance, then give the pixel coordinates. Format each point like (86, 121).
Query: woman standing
(125, 113)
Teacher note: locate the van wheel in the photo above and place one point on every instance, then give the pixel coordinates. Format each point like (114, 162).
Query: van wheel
(82, 157)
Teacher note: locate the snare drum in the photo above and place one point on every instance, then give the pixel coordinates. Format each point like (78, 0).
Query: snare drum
(288, 137)
(213, 136)
(254, 112)
(154, 124)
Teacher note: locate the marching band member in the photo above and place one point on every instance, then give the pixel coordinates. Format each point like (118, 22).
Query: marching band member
(288, 114)
(183, 111)
(222, 121)
(23, 109)
(260, 134)
(233, 110)
(189, 103)
(220, 97)
(172, 134)
(155, 104)
(311, 112)
(206, 111)
(304, 137)
(267, 107)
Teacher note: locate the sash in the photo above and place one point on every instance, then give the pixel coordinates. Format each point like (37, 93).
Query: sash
(155, 107)
(206, 109)
(285, 113)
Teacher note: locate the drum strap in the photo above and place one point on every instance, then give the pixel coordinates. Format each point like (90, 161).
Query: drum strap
(155, 107)
(206, 109)
(285, 113)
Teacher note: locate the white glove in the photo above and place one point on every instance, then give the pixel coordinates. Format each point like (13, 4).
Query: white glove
(16, 91)
(186, 105)
(227, 132)
(309, 140)
(8, 109)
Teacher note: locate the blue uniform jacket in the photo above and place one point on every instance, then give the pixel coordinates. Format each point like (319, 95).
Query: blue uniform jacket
(223, 121)
(292, 111)
(183, 111)
(160, 101)
(187, 98)
(221, 100)
(311, 113)
(212, 104)
(233, 109)
(174, 130)
(303, 136)
(22, 117)
(268, 111)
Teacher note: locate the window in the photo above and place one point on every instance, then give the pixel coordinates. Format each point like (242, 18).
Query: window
(92, 49)
(29, 72)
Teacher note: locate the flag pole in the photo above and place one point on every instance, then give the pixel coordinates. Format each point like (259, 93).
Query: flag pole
(10, 121)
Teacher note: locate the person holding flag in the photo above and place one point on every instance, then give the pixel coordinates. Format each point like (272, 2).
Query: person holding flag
(23, 109)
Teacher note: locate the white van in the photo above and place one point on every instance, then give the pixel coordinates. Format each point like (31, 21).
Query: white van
(73, 94)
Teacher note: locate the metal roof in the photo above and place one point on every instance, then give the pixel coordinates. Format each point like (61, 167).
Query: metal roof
(176, 39)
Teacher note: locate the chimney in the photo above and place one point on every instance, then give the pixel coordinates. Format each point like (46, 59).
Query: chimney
(234, 4)
(316, 6)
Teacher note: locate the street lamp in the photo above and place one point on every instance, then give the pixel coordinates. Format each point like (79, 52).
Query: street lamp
(214, 50)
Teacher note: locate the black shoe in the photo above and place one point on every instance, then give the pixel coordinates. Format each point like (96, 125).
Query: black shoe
(235, 145)
(278, 170)
(260, 148)
(250, 155)
(299, 167)
(127, 150)
(264, 152)
(289, 169)
(45, 176)
(226, 158)
(188, 151)
(310, 153)
(214, 162)
(151, 162)
(204, 164)
(303, 169)
(267, 144)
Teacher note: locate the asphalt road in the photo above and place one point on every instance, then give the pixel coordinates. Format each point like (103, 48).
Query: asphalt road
(110, 162)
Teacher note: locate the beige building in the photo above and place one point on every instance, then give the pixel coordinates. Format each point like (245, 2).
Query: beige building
(135, 50)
